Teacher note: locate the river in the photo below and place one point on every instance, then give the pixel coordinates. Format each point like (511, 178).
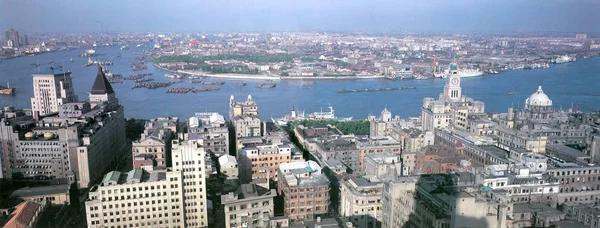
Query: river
(565, 84)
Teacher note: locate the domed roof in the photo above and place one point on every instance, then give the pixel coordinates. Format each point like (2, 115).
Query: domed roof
(539, 98)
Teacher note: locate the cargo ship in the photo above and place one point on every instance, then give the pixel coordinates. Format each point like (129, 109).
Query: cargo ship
(7, 90)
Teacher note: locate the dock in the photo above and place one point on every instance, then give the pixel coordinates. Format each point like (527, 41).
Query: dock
(375, 89)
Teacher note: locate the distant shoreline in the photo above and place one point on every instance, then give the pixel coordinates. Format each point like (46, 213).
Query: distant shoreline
(266, 77)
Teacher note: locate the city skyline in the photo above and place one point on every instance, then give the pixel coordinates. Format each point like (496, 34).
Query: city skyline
(347, 16)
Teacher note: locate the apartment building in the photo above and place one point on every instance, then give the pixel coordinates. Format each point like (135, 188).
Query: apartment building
(361, 201)
(305, 190)
(261, 162)
(212, 128)
(154, 144)
(249, 206)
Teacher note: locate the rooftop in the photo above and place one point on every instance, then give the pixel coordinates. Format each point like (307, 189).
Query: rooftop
(38, 191)
(101, 84)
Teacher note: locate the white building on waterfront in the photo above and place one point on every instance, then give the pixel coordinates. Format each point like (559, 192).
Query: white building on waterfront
(452, 109)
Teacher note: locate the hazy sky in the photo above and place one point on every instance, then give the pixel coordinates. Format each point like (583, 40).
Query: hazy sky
(301, 15)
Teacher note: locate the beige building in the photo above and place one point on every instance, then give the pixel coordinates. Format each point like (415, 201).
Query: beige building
(244, 116)
(248, 206)
(361, 201)
(138, 198)
(452, 109)
(211, 127)
(151, 148)
(261, 162)
(398, 202)
(305, 190)
(50, 90)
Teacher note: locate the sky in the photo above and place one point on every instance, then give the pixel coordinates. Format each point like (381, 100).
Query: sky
(301, 15)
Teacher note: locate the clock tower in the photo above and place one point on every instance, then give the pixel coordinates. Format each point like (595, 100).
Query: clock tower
(452, 90)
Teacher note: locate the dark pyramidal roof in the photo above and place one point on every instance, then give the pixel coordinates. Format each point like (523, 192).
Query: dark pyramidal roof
(101, 84)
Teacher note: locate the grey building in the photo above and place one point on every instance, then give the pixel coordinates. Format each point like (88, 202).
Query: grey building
(248, 206)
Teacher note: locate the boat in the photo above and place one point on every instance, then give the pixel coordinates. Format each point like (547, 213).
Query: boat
(7, 90)
(239, 83)
(511, 93)
(564, 59)
(124, 47)
(266, 85)
(466, 73)
(493, 72)
(292, 116)
(71, 60)
(327, 115)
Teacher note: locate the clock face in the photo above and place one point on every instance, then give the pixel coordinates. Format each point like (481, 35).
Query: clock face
(455, 81)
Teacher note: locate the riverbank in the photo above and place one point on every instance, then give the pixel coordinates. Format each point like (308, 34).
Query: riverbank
(267, 77)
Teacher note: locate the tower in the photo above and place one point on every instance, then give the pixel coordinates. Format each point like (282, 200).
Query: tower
(102, 92)
(452, 90)
(50, 90)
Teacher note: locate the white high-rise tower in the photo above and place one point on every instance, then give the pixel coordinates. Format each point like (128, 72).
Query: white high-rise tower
(452, 90)
(50, 90)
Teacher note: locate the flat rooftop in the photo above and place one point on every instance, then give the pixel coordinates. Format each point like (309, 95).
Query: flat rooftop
(40, 191)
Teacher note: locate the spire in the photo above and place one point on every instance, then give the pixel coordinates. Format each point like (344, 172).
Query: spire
(101, 84)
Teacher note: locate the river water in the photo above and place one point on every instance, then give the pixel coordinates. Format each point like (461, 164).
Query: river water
(565, 84)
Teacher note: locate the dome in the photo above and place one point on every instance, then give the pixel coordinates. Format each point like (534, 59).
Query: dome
(29, 135)
(539, 98)
(48, 135)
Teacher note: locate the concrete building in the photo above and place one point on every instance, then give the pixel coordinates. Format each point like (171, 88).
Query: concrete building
(261, 162)
(370, 145)
(361, 201)
(342, 149)
(305, 190)
(172, 198)
(211, 127)
(26, 214)
(229, 166)
(249, 206)
(50, 90)
(449, 201)
(380, 164)
(15, 121)
(398, 202)
(379, 126)
(83, 141)
(452, 109)
(55, 194)
(154, 145)
(189, 158)
(137, 198)
(244, 116)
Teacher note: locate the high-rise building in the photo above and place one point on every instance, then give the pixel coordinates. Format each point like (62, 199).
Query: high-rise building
(581, 36)
(172, 198)
(12, 36)
(81, 142)
(50, 90)
(189, 158)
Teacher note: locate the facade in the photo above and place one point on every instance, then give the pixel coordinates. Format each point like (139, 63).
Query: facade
(380, 164)
(375, 145)
(341, 149)
(361, 201)
(452, 109)
(398, 202)
(244, 116)
(152, 148)
(14, 123)
(172, 198)
(50, 90)
(83, 141)
(248, 206)
(137, 198)
(189, 158)
(380, 126)
(261, 162)
(211, 127)
(305, 190)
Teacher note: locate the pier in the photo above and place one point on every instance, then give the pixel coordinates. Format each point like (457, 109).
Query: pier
(376, 89)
